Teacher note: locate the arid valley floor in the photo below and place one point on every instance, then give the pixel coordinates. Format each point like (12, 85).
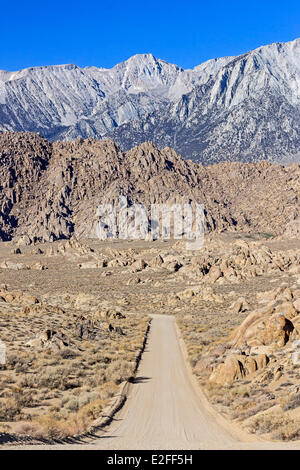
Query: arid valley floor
(76, 316)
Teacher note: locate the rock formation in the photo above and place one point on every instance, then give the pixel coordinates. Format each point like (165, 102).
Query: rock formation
(52, 191)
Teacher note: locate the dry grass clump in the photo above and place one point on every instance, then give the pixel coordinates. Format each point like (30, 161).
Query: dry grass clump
(10, 409)
(56, 378)
(119, 371)
(13, 401)
(237, 402)
(54, 427)
(292, 403)
(279, 425)
(76, 417)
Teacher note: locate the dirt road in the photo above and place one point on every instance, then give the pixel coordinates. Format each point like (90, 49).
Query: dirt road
(164, 409)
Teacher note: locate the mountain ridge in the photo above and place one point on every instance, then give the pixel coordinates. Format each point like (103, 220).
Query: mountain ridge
(244, 107)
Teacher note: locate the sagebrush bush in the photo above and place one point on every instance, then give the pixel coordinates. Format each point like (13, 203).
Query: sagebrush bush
(9, 409)
(293, 402)
(281, 425)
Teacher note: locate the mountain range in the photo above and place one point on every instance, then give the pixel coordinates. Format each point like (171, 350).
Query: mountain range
(243, 108)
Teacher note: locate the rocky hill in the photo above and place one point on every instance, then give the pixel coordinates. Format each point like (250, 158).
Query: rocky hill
(51, 191)
(243, 108)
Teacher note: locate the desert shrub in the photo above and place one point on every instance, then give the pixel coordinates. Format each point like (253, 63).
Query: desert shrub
(86, 398)
(21, 367)
(118, 371)
(266, 235)
(8, 379)
(107, 390)
(193, 361)
(96, 380)
(24, 398)
(286, 384)
(282, 426)
(13, 359)
(289, 432)
(28, 381)
(67, 353)
(54, 378)
(4, 427)
(92, 410)
(292, 403)
(244, 410)
(51, 427)
(72, 404)
(9, 409)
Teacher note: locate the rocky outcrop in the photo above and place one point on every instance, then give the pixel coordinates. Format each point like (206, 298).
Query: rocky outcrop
(272, 325)
(268, 335)
(237, 367)
(292, 229)
(52, 191)
(49, 340)
(12, 265)
(261, 329)
(247, 260)
(17, 297)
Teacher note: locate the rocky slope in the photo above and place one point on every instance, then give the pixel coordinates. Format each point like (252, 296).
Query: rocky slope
(52, 191)
(247, 111)
(241, 108)
(66, 101)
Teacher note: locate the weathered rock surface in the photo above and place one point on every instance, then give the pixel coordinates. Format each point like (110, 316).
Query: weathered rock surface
(52, 191)
(247, 260)
(12, 265)
(237, 367)
(273, 330)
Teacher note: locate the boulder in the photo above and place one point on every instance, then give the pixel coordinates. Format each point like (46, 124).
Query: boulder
(287, 309)
(88, 265)
(296, 305)
(229, 371)
(24, 240)
(39, 267)
(138, 265)
(13, 265)
(156, 262)
(263, 328)
(173, 266)
(229, 273)
(16, 251)
(214, 274)
(239, 305)
(49, 339)
(237, 367)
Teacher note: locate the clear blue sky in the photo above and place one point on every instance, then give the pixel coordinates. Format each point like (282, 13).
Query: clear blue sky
(103, 33)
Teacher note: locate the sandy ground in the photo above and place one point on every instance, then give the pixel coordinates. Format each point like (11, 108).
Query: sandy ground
(165, 409)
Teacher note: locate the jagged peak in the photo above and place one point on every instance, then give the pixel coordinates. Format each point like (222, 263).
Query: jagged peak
(21, 138)
(145, 148)
(149, 56)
